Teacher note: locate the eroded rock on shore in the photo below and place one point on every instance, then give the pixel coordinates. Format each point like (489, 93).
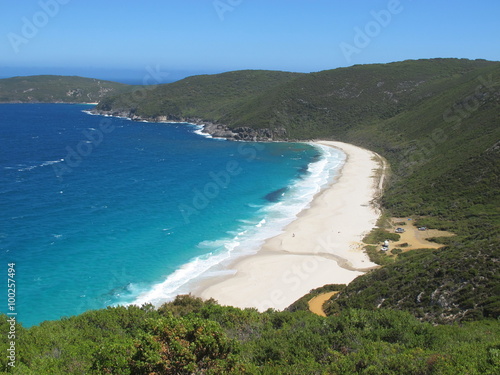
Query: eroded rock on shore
(216, 130)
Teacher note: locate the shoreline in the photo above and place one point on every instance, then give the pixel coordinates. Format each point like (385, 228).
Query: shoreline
(213, 129)
(321, 246)
(318, 247)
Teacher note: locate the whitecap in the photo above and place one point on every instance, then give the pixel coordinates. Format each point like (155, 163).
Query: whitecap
(250, 222)
(51, 162)
(25, 168)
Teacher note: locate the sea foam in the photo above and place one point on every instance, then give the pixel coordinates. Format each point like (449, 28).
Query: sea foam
(270, 221)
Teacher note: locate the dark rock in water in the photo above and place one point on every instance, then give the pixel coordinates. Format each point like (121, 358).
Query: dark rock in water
(276, 195)
(316, 157)
(242, 133)
(304, 170)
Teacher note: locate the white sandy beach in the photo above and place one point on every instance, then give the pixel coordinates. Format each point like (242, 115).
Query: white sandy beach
(322, 246)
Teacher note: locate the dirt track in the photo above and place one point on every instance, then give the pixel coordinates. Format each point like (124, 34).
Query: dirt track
(316, 303)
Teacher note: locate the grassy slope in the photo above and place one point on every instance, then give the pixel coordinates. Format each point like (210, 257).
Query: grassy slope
(57, 89)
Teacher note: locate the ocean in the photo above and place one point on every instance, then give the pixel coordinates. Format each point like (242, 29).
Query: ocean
(98, 211)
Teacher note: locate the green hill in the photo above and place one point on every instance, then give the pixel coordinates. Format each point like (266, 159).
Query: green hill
(436, 122)
(323, 104)
(57, 89)
(208, 97)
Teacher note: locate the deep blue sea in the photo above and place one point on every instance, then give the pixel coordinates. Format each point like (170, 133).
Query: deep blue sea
(98, 211)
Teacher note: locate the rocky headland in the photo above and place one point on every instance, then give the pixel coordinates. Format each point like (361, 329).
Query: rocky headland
(216, 130)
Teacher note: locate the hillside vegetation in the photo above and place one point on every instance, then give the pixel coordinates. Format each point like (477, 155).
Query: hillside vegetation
(436, 122)
(429, 311)
(189, 336)
(57, 89)
(208, 97)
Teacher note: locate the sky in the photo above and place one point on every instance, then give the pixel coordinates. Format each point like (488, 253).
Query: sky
(159, 41)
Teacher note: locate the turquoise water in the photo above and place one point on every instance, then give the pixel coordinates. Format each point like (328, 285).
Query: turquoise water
(99, 211)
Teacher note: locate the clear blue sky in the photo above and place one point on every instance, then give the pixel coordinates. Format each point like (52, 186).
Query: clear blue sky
(126, 39)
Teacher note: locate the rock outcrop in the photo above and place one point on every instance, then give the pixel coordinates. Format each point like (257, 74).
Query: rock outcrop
(216, 130)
